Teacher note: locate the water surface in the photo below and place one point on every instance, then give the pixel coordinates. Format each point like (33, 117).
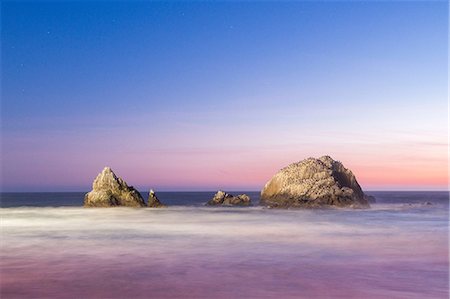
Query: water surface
(53, 248)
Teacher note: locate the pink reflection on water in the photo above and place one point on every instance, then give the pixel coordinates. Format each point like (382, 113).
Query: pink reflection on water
(201, 253)
(228, 278)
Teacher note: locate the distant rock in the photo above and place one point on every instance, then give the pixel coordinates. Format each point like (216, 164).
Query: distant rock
(108, 190)
(153, 201)
(222, 198)
(314, 183)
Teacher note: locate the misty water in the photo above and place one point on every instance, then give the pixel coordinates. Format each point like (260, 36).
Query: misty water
(51, 247)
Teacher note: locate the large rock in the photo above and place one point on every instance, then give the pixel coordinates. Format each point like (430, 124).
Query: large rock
(153, 201)
(222, 198)
(314, 183)
(108, 190)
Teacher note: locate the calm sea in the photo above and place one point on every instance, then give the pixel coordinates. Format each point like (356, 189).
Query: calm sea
(51, 247)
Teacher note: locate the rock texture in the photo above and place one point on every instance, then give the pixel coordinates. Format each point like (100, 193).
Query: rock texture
(314, 183)
(108, 190)
(153, 201)
(222, 198)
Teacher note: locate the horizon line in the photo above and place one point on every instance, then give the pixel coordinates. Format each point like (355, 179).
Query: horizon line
(237, 190)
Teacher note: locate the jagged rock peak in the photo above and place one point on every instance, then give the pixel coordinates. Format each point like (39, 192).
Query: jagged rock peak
(109, 190)
(107, 178)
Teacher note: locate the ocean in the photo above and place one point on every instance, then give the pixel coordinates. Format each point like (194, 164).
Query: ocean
(52, 247)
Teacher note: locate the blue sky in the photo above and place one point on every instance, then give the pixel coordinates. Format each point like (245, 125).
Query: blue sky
(202, 95)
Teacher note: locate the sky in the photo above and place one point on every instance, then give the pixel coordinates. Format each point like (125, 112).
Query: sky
(221, 95)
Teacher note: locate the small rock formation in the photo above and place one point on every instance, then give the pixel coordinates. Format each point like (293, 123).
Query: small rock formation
(222, 198)
(108, 190)
(314, 183)
(153, 201)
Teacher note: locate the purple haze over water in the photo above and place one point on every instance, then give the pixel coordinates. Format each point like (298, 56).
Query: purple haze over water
(396, 249)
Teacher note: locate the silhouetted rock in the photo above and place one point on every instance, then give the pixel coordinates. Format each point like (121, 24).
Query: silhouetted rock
(108, 190)
(153, 201)
(222, 198)
(314, 183)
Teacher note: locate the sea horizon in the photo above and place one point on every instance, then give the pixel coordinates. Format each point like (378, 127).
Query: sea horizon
(228, 190)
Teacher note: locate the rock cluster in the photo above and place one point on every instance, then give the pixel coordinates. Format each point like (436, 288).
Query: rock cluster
(314, 183)
(108, 190)
(153, 201)
(309, 183)
(222, 198)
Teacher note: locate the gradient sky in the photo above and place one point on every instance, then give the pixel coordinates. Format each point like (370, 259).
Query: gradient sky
(207, 95)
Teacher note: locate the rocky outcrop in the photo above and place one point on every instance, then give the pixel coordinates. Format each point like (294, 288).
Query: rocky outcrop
(108, 190)
(153, 201)
(314, 183)
(222, 198)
